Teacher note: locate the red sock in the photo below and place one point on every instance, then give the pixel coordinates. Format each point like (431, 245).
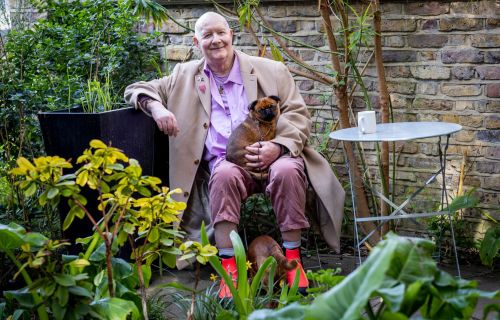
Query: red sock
(294, 254)
(229, 266)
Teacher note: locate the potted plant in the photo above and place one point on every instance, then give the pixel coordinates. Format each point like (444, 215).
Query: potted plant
(70, 68)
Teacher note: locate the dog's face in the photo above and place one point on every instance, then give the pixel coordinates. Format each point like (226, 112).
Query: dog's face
(265, 109)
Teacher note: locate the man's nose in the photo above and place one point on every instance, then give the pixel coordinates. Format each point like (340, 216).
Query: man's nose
(216, 38)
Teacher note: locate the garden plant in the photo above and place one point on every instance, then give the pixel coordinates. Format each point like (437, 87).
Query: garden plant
(132, 208)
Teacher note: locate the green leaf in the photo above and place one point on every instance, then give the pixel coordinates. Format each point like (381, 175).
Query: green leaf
(11, 236)
(490, 245)
(62, 295)
(68, 220)
(52, 193)
(22, 296)
(80, 291)
(290, 312)
(154, 235)
(393, 297)
(276, 53)
(169, 259)
(64, 280)
(146, 273)
(36, 239)
(115, 309)
(463, 202)
(99, 254)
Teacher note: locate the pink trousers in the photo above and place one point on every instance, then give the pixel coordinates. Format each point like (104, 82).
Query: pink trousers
(230, 185)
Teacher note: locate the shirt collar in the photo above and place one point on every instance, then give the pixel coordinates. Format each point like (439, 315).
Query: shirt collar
(234, 74)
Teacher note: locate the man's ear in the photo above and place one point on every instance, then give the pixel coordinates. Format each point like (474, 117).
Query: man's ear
(195, 41)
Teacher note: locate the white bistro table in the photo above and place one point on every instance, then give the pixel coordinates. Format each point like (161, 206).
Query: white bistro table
(403, 131)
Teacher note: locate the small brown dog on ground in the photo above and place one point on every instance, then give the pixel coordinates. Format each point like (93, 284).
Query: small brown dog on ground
(263, 247)
(260, 125)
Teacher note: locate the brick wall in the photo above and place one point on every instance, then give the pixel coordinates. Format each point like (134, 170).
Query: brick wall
(442, 62)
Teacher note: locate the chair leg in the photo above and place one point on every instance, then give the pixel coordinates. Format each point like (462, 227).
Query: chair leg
(307, 251)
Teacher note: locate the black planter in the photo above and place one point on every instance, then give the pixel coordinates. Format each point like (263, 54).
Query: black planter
(68, 133)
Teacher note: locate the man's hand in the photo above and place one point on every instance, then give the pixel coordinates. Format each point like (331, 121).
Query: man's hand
(165, 120)
(262, 154)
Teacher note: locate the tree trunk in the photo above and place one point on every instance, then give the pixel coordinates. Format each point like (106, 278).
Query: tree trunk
(340, 91)
(384, 101)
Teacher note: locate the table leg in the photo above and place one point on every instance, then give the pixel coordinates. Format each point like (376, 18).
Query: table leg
(354, 212)
(444, 195)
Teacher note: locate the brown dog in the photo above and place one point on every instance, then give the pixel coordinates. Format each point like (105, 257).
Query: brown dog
(263, 247)
(260, 125)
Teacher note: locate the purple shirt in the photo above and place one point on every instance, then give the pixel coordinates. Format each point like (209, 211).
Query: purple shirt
(228, 111)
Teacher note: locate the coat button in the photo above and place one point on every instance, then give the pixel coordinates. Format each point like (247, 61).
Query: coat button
(205, 125)
(186, 194)
(196, 161)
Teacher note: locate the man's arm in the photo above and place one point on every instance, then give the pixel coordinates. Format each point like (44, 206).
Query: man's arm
(151, 97)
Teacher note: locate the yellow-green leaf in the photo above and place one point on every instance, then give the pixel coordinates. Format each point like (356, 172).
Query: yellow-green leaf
(97, 144)
(80, 263)
(30, 190)
(24, 163)
(82, 178)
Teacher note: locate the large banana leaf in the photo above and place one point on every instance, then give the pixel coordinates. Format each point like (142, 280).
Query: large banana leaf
(395, 260)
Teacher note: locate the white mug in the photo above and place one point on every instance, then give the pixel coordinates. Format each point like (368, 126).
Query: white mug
(367, 122)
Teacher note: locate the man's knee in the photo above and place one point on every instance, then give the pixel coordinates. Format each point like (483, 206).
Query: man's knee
(288, 169)
(225, 174)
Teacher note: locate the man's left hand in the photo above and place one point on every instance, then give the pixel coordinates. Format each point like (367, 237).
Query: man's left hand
(262, 154)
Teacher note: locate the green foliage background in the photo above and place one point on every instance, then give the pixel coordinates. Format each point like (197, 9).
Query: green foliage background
(47, 66)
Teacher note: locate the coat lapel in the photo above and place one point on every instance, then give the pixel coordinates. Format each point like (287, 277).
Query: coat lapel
(203, 89)
(249, 79)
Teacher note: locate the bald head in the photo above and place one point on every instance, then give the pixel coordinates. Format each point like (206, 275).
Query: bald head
(206, 19)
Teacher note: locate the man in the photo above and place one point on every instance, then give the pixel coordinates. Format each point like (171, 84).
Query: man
(201, 102)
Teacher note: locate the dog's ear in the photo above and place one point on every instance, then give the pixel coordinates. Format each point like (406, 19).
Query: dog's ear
(252, 105)
(275, 98)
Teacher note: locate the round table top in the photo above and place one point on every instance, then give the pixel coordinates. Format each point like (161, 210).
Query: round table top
(398, 131)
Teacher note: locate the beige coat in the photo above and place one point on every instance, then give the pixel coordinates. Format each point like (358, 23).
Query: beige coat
(181, 94)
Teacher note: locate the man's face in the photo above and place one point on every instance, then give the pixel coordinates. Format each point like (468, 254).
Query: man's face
(215, 41)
